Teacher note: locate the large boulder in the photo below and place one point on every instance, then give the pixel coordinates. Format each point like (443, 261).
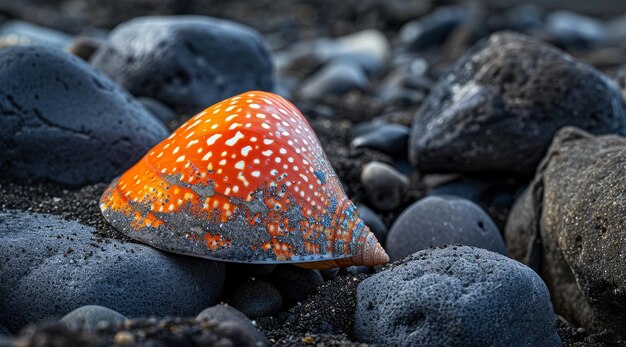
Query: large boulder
(455, 296)
(62, 121)
(500, 105)
(187, 62)
(570, 225)
(50, 267)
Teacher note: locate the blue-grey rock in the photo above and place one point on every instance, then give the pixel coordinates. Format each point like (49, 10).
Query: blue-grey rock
(494, 112)
(373, 221)
(384, 186)
(62, 121)
(91, 317)
(295, 284)
(50, 266)
(432, 29)
(158, 109)
(455, 296)
(16, 32)
(187, 62)
(367, 49)
(257, 298)
(524, 17)
(228, 314)
(440, 220)
(391, 139)
(337, 77)
(575, 30)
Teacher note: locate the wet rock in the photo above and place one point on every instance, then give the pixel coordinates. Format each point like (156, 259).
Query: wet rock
(337, 77)
(52, 266)
(496, 112)
(64, 122)
(441, 220)
(373, 221)
(432, 29)
(391, 139)
(187, 62)
(455, 296)
(225, 313)
(570, 224)
(16, 32)
(384, 186)
(91, 317)
(575, 30)
(257, 298)
(295, 284)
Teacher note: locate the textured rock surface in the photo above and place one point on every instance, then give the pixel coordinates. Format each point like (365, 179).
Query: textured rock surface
(571, 225)
(187, 62)
(501, 104)
(440, 220)
(62, 121)
(455, 296)
(51, 266)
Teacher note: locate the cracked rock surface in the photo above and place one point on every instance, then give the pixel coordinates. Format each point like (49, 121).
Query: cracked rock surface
(62, 121)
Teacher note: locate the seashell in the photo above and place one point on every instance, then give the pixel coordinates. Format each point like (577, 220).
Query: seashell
(245, 180)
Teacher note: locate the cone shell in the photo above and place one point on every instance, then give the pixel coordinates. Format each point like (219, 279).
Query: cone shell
(245, 180)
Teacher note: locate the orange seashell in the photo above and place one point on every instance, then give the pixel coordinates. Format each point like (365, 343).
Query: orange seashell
(245, 180)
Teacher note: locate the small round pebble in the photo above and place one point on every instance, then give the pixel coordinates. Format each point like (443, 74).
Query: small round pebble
(391, 139)
(439, 220)
(225, 313)
(336, 77)
(257, 298)
(385, 187)
(91, 317)
(455, 296)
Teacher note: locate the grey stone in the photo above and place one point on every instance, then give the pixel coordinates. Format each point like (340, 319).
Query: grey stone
(373, 221)
(440, 220)
(158, 109)
(367, 49)
(573, 29)
(455, 296)
(432, 29)
(336, 77)
(391, 139)
(257, 298)
(385, 187)
(187, 62)
(499, 107)
(50, 266)
(16, 32)
(62, 121)
(225, 313)
(570, 224)
(91, 317)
